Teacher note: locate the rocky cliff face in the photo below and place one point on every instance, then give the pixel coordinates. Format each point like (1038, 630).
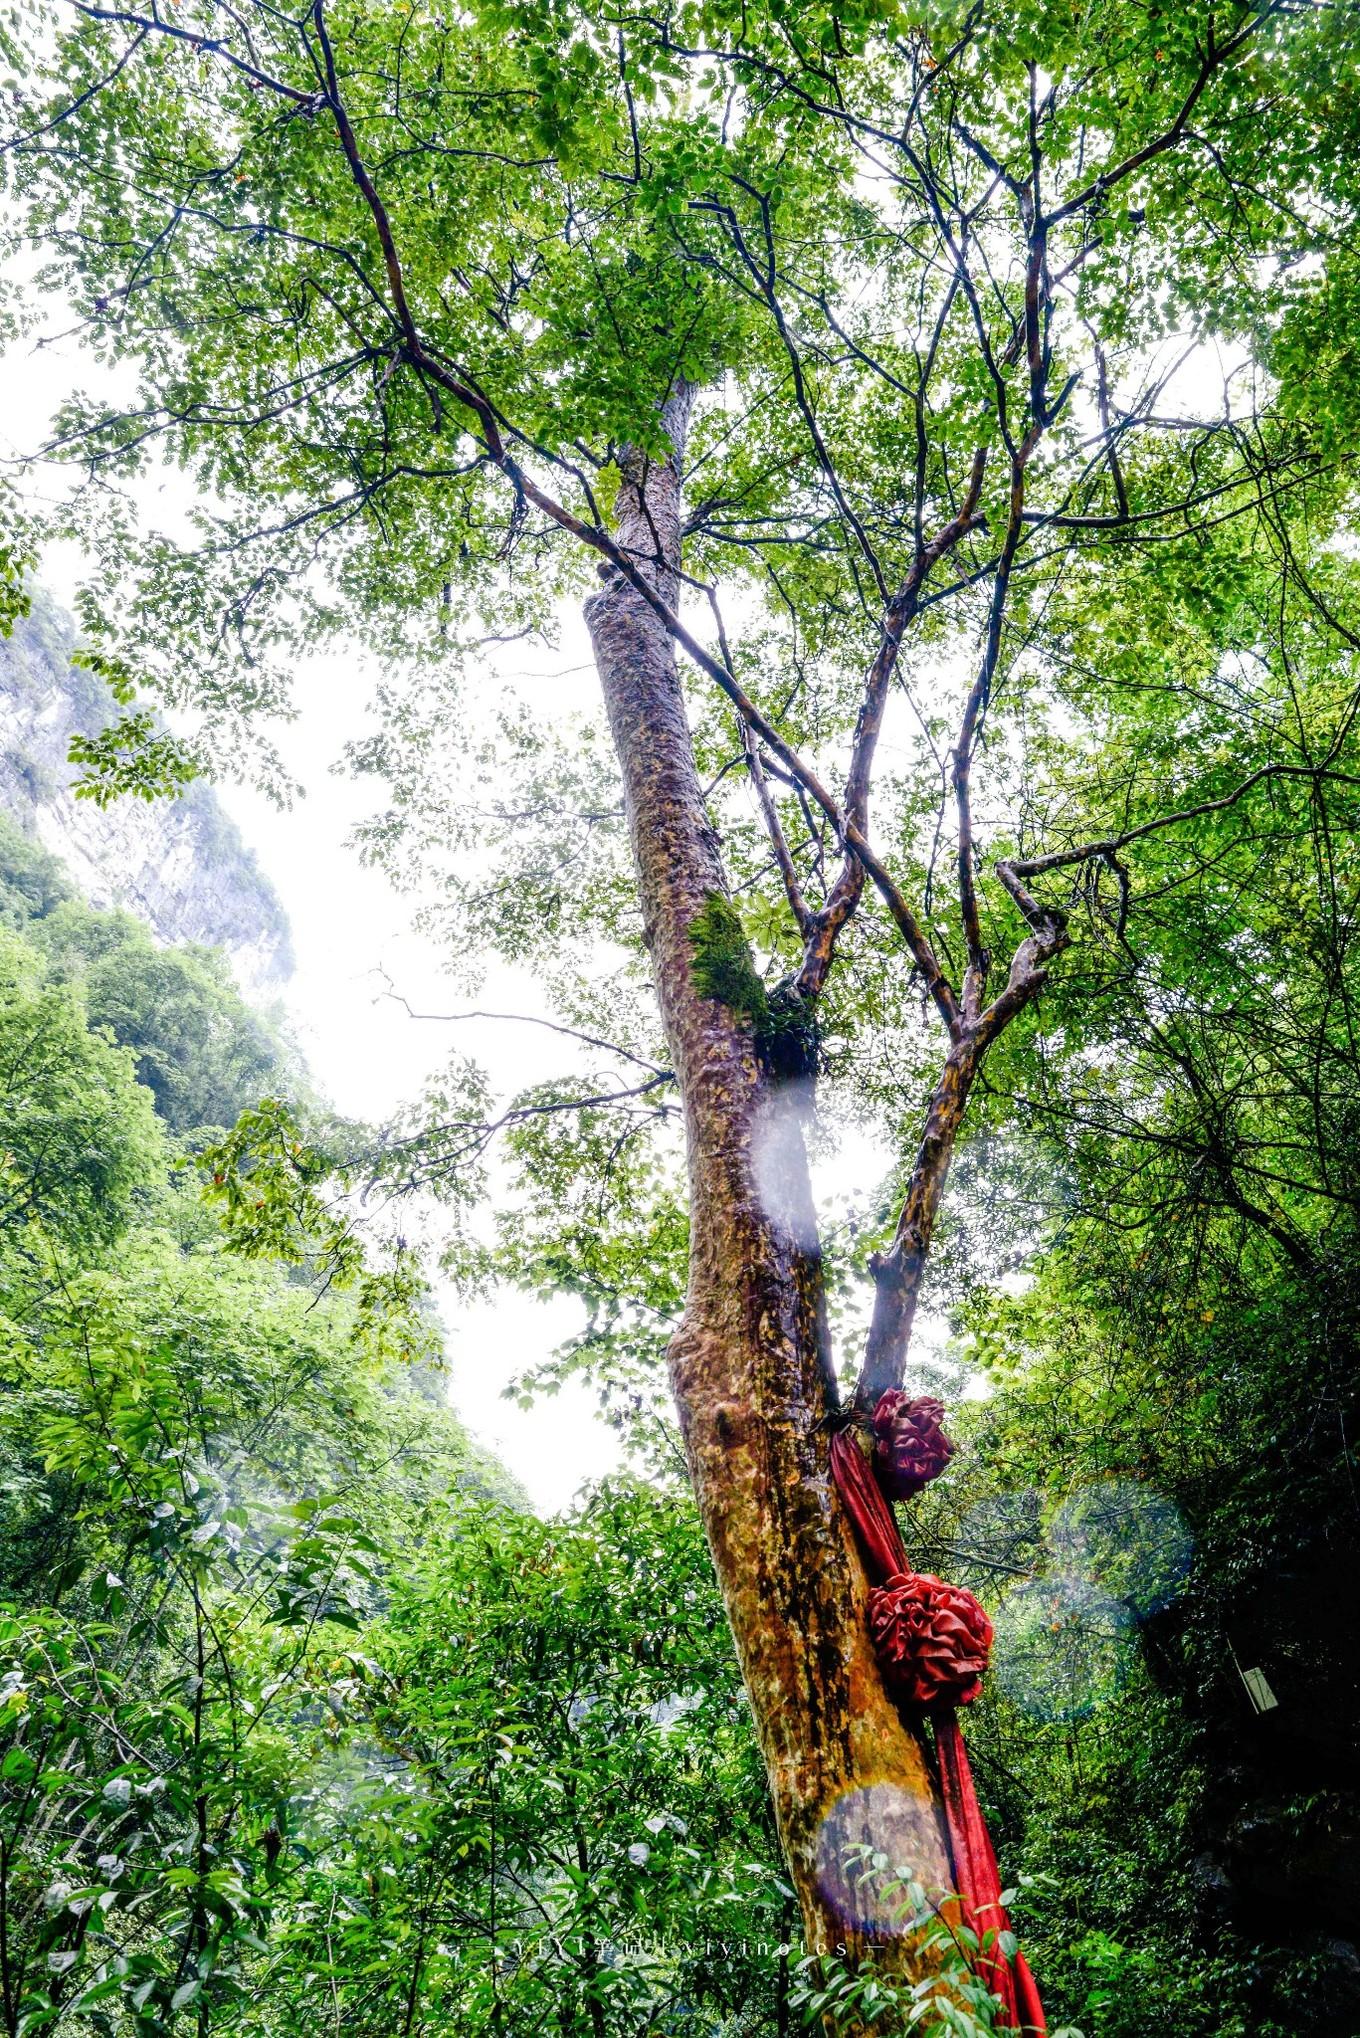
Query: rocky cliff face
(180, 865)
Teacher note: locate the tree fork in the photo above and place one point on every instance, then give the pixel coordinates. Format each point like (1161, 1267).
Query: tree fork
(749, 1363)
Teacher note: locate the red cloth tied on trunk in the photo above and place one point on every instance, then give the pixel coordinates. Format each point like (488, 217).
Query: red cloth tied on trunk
(910, 1446)
(979, 1882)
(933, 1641)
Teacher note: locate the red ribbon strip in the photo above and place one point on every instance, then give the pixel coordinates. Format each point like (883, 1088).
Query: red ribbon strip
(933, 1640)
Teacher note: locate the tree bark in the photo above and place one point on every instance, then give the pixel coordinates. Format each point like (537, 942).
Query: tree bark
(897, 1272)
(750, 1364)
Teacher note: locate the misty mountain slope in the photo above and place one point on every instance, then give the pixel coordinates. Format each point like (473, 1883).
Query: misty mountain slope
(179, 865)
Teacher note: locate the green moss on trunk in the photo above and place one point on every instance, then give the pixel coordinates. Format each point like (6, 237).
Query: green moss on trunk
(723, 966)
(784, 1024)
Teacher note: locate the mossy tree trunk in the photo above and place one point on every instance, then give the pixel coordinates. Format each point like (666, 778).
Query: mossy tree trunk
(750, 1363)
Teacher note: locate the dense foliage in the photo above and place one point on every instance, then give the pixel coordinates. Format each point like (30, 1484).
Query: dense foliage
(298, 1705)
(298, 1709)
(1013, 344)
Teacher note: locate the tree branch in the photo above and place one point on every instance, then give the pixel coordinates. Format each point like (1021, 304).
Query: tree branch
(1011, 870)
(211, 46)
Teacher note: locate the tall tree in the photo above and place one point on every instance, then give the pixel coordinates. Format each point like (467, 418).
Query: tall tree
(966, 372)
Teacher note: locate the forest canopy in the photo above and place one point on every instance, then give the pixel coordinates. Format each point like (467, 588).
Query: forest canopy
(941, 417)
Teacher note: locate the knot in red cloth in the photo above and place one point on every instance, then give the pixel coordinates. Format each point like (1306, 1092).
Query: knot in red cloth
(910, 1447)
(932, 1639)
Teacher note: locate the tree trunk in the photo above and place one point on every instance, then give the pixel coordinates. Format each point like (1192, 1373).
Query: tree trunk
(750, 1364)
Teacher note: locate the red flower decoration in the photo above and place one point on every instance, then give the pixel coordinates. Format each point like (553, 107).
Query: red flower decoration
(910, 1447)
(933, 1640)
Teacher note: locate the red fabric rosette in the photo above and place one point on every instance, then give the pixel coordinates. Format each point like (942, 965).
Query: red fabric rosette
(932, 1639)
(910, 1446)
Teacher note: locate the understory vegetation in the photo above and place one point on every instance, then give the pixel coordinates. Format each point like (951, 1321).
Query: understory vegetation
(309, 1724)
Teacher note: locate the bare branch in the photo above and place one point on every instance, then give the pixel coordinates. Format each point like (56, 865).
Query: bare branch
(1011, 870)
(798, 905)
(526, 1019)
